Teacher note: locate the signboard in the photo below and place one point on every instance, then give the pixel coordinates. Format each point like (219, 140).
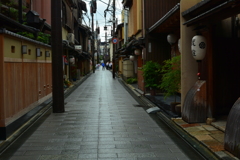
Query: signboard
(78, 47)
(114, 40)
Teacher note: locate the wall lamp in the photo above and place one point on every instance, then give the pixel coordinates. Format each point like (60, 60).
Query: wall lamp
(47, 54)
(24, 49)
(38, 52)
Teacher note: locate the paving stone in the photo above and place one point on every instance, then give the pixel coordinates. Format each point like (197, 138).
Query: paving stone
(101, 123)
(199, 132)
(204, 137)
(218, 137)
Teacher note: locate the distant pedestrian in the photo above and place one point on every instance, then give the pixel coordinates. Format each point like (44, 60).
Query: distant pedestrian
(110, 65)
(107, 65)
(103, 66)
(97, 66)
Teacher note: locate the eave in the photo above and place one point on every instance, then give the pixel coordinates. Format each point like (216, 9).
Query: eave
(127, 3)
(168, 23)
(216, 13)
(15, 26)
(4, 31)
(201, 7)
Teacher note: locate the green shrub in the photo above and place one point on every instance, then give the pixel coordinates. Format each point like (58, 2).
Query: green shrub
(42, 37)
(131, 80)
(151, 74)
(171, 76)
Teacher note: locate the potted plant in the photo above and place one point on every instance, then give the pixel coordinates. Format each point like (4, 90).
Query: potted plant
(171, 78)
(151, 74)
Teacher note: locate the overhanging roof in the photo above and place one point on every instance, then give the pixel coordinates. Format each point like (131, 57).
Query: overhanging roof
(14, 25)
(86, 28)
(120, 25)
(82, 5)
(202, 12)
(4, 31)
(127, 3)
(168, 23)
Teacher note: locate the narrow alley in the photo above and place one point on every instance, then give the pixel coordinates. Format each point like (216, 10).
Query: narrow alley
(102, 121)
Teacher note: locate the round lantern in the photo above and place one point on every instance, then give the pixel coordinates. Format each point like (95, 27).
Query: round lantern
(72, 60)
(137, 52)
(171, 38)
(179, 45)
(132, 58)
(198, 47)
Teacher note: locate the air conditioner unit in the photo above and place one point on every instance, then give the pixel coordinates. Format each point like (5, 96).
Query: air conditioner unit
(70, 38)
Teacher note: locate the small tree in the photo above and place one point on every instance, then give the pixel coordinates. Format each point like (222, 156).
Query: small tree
(151, 74)
(171, 76)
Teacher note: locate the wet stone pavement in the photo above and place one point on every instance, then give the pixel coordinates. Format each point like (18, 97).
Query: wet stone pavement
(101, 122)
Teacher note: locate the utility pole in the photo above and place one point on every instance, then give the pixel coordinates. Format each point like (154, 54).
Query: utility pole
(105, 47)
(93, 59)
(57, 62)
(113, 58)
(93, 10)
(98, 44)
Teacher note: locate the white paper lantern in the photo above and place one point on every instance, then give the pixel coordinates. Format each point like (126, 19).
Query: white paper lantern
(198, 47)
(72, 60)
(137, 52)
(171, 38)
(132, 58)
(179, 45)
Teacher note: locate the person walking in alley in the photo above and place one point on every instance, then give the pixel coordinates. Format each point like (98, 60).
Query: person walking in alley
(107, 65)
(110, 65)
(103, 66)
(97, 66)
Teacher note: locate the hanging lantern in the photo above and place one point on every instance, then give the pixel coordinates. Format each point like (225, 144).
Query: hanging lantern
(171, 38)
(132, 58)
(137, 52)
(72, 60)
(179, 45)
(198, 47)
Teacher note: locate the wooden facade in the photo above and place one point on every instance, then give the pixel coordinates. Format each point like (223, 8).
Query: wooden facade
(156, 9)
(218, 21)
(26, 78)
(135, 19)
(22, 94)
(157, 47)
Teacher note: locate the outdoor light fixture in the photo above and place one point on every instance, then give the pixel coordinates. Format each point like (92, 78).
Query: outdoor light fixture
(47, 54)
(132, 58)
(72, 60)
(198, 47)
(171, 38)
(179, 45)
(38, 52)
(137, 52)
(24, 49)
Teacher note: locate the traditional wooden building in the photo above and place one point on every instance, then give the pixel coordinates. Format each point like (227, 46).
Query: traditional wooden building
(26, 73)
(214, 92)
(26, 63)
